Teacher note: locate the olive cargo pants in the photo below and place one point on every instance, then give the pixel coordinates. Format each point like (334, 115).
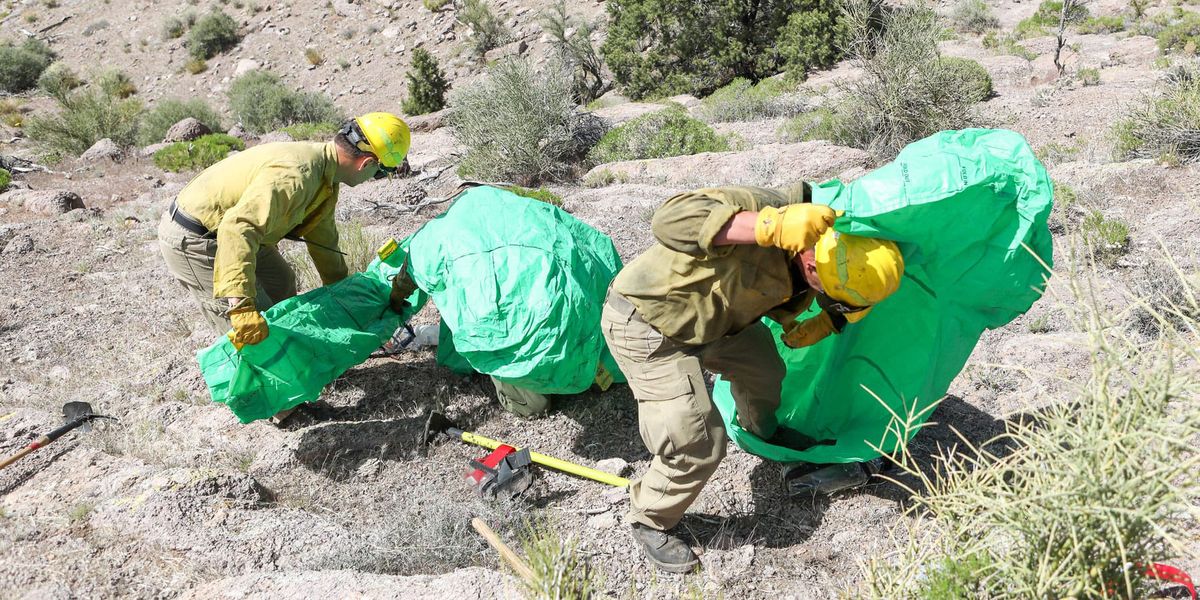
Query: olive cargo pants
(677, 419)
(190, 258)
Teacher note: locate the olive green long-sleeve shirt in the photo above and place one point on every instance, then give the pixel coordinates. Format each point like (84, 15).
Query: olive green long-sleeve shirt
(255, 198)
(695, 292)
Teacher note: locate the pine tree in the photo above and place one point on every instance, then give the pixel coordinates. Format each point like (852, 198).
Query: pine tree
(427, 85)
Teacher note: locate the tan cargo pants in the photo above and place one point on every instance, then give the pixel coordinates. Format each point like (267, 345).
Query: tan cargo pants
(677, 419)
(190, 258)
(520, 401)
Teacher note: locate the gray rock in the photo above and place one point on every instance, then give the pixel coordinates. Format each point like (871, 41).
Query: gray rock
(616, 466)
(603, 521)
(186, 130)
(101, 150)
(627, 111)
(276, 136)
(512, 49)
(149, 151)
(245, 66)
(238, 132)
(20, 244)
(427, 123)
(46, 202)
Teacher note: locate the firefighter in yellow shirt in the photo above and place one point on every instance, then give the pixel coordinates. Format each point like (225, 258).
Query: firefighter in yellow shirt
(219, 236)
(725, 258)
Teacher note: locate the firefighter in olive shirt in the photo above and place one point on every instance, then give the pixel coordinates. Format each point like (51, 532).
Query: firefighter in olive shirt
(725, 258)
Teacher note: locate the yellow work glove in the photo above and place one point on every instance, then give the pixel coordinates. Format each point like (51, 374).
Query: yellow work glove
(402, 287)
(808, 332)
(249, 327)
(794, 228)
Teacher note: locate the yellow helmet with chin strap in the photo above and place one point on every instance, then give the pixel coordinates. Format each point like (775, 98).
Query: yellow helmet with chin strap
(857, 272)
(383, 134)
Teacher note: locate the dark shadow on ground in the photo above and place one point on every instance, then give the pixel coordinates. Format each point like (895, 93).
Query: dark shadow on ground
(610, 423)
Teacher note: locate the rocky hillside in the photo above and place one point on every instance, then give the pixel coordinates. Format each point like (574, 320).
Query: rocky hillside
(179, 499)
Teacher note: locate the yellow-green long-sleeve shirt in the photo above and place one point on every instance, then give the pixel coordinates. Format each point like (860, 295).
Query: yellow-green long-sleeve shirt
(694, 292)
(255, 198)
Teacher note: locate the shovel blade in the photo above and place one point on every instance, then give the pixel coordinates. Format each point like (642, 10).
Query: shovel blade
(73, 411)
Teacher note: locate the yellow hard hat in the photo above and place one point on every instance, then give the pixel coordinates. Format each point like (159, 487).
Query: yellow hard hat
(385, 135)
(857, 272)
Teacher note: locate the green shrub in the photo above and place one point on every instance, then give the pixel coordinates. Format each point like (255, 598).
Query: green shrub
(812, 38)
(907, 91)
(1047, 18)
(116, 84)
(604, 178)
(1088, 76)
(488, 30)
(435, 5)
(20, 66)
(85, 118)
(5, 179)
(158, 120)
(976, 83)
(173, 27)
(1108, 239)
(560, 568)
(427, 85)
(662, 134)
(742, 100)
(521, 126)
(572, 40)
(313, 57)
(359, 244)
(1166, 124)
(815, 125)
(668, 47)
(1055, 153)
(1073, 494)
(11, 114)
(58, 79)
(212, 34)
(200, 153)
(1111, 24)
(974, 16)
(312, 132)
(540, 194)
(195, 66)
(1178, 35)
(261, 103)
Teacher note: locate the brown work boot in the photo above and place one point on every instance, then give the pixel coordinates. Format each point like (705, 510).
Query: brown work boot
(666, 551)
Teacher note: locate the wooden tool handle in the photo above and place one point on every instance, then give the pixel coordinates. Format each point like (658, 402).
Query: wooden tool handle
(18, 456)
(506, 553)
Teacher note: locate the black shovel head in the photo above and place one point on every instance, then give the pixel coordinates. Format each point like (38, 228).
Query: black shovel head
(73, 411)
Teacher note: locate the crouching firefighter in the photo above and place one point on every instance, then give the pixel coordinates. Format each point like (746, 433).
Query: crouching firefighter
(725, 258)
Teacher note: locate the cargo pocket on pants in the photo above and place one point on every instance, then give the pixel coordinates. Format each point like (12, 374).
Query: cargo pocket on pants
(671, 418)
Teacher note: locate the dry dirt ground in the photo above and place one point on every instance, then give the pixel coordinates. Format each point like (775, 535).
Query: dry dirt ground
(179, 499)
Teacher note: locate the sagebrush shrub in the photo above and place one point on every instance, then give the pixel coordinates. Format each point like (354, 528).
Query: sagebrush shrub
(521, 126)
(1103, 24)
(58, 79)
(262, 103)
(427, 85)
(83, 119)
(115, 83)
(20, 66)
(200, 153)
(667, 47)
(974, 16)
(487, 29)
(158, 120)
(907, 91)
(1165, 124)
(1176, 36)
(663, 134)
(742, 100)
(212, 34)
(313, 132)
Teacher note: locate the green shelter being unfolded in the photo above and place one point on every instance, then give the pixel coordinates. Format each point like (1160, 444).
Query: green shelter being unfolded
(969, 211)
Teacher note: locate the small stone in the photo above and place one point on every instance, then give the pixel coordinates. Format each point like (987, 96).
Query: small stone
(149, 151)
(20, 244)
(245, 66)
(616, 466)
(604, 521)
(615, 495)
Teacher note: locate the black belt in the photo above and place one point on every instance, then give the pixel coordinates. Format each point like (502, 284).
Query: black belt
(186, 221)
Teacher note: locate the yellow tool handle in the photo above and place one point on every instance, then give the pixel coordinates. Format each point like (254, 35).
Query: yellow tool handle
(506, 553)
(553, 463)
